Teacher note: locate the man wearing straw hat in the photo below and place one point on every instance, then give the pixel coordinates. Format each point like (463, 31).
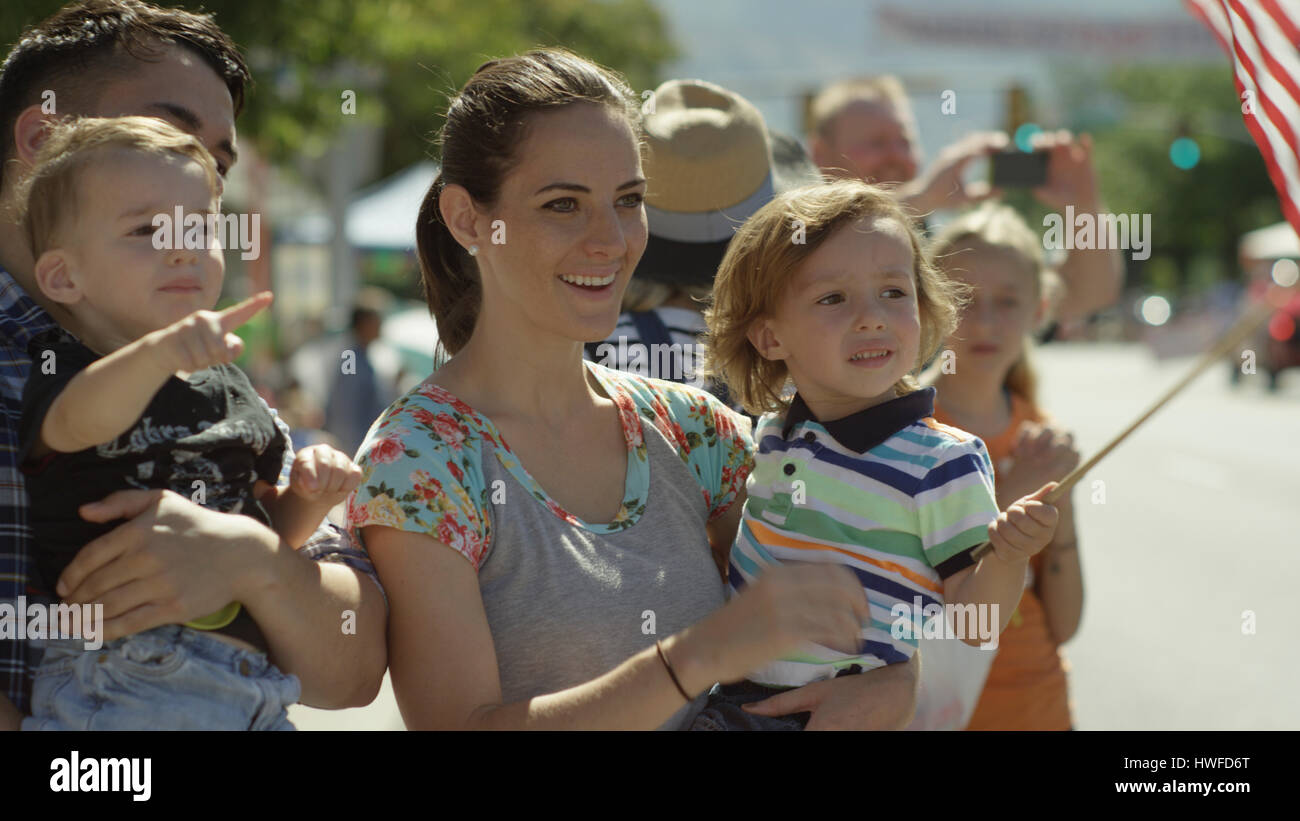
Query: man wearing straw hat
(711, 163)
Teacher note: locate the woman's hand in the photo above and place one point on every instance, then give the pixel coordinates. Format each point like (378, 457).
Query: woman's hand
(1041, 454)
(880, 699)
(445, 670)
(788, 605)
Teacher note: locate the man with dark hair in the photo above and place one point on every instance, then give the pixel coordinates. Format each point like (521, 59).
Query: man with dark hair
(172, 560)
(84, 48)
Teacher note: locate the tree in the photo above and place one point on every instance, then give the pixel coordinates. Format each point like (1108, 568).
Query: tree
(402, 58)
(1134, 114)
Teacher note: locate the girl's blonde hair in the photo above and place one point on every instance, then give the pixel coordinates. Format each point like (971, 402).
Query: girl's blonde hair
(999, 226)
(764, 256)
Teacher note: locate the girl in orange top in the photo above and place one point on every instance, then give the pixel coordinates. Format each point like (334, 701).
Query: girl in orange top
(986, 385)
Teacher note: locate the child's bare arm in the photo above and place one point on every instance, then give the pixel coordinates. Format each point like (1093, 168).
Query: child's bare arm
(1060, 585)
(1024, 529)
(103, 401)
(321, 477)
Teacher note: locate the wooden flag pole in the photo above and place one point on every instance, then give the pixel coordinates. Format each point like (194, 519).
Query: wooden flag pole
(1231, 339)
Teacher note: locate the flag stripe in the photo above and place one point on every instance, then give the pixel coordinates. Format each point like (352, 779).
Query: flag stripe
(1270, 50)
(1266, 93)
(1261, 37)
(1288, 26)
(1212, 16)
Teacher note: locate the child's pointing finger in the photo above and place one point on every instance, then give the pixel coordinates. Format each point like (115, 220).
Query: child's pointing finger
(234, 346)
(238, 314)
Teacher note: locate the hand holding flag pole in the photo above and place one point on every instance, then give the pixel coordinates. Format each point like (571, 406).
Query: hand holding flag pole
(1235, 335)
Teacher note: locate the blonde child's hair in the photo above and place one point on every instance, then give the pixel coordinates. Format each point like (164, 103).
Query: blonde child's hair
(763, 258)
(999, 226)
(47, 198)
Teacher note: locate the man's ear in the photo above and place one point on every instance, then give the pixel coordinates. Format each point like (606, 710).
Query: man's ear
(460, 215)
(54, 277)
(30, 130)
(763, 338)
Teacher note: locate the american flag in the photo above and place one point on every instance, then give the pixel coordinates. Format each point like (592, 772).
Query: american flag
(1261, 38)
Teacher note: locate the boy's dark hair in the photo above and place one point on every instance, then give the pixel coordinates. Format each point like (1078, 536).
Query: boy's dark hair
(79, 47)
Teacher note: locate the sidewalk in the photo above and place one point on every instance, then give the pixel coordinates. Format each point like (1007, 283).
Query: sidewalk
(381, 714)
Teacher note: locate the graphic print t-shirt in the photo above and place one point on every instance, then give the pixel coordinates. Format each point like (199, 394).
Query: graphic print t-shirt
(207, 438)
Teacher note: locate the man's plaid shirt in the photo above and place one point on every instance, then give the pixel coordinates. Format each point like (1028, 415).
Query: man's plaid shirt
(21, 319)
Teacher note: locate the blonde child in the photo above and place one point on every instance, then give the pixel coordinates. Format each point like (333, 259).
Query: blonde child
(991, 392)
(827, 287)
(142, 395)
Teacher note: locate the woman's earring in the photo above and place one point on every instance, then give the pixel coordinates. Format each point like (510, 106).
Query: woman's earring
(473, 250)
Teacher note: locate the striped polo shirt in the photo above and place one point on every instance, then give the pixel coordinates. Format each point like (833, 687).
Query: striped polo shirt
(889, 492)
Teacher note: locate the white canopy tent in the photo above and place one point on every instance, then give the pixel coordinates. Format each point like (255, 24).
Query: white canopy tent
(1278, 241)
(383, 215)
(412, 333)
(383, 218)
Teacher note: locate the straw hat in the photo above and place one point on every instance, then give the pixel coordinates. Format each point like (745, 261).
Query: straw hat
(709, 166)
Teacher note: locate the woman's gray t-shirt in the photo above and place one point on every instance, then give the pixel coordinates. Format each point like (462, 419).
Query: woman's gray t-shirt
(566, 601)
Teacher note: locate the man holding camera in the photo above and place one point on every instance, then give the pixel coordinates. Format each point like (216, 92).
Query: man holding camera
(864, 128)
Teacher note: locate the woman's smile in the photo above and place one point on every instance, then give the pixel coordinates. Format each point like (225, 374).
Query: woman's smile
(593, 282)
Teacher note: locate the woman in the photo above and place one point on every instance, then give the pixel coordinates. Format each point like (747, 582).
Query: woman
(529, 581)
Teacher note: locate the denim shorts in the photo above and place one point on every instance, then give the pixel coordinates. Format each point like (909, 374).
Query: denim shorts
(723, 710)
(167, 678)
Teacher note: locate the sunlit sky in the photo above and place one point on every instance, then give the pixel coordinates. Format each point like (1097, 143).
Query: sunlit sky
(773, 51)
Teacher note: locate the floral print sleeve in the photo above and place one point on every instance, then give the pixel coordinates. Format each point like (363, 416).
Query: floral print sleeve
(422, 472)
(713, 440)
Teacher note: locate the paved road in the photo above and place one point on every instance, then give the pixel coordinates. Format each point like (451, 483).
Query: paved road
(1200, 523)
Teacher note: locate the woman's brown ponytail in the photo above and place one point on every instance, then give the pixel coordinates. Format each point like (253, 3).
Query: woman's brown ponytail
(449, 277)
